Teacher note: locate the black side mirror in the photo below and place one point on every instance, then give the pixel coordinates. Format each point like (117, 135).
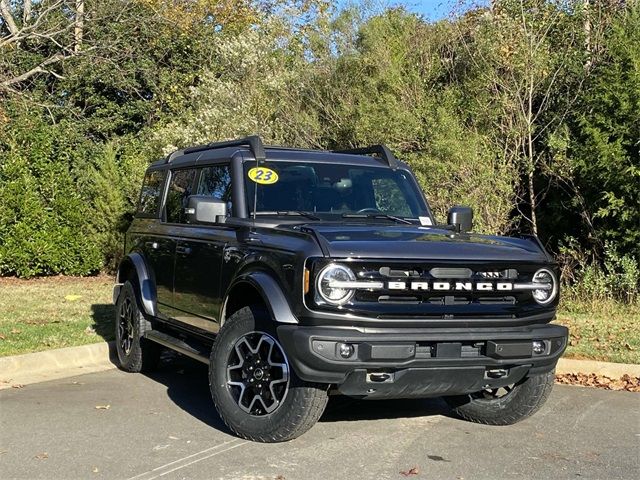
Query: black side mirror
(205, 209)
(461, 218)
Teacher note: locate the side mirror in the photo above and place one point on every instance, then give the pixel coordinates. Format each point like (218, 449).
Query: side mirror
(461, 218)
(205, 209)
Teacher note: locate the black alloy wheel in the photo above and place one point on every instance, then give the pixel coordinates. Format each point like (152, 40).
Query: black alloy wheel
(258, 373)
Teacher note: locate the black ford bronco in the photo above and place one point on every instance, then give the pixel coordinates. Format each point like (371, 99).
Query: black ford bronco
(294, 274)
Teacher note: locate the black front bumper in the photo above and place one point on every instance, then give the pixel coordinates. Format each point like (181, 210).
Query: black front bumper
(401, 363)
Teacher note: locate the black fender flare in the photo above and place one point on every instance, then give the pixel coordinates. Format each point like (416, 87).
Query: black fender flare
(271, 293)
(146, 285)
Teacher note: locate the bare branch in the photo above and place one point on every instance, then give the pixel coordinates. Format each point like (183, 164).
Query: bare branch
(35, 70)
(6, 14)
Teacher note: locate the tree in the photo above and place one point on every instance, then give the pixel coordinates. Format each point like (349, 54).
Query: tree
(526, 51)
(36, 38)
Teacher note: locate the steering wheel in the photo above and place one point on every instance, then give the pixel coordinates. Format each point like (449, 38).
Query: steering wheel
(369, 210)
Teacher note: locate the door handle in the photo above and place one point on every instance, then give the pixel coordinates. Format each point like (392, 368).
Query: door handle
(153, 245)
(183, 250)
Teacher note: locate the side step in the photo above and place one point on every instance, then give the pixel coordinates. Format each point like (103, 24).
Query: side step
(178, 345)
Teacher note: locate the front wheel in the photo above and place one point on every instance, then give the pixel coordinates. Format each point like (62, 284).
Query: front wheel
(254, 390)
(505, 405)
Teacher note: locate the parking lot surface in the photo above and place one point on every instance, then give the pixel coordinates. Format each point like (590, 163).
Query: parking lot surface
(131, 426)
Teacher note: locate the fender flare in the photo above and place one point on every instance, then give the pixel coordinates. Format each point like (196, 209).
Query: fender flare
(271, 293)
(146, 285)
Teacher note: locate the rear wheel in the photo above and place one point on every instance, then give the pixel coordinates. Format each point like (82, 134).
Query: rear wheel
(254, 390)
(135, 353)
(505, 405)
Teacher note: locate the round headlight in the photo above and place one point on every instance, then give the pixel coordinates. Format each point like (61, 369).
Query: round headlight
(548, 286)
(331, 275)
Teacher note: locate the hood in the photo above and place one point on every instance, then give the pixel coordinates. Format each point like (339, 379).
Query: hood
(422, 243)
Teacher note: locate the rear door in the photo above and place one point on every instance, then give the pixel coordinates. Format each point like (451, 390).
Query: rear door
(148, 238)
(197, 295)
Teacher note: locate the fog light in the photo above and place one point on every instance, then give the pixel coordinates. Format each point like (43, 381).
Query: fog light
(539, 347)
(346, 350)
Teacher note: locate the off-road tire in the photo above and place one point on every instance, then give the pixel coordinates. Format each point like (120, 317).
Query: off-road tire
(526, 398)
(143, 355)
(301, 407)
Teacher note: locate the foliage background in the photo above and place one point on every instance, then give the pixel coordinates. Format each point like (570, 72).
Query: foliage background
(526, 110)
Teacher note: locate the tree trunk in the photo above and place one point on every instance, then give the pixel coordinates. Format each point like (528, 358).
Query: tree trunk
(79, 25)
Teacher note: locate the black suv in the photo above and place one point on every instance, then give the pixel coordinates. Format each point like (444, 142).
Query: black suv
(298, 273)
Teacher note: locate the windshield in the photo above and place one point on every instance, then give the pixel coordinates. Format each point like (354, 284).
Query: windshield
(330, 189)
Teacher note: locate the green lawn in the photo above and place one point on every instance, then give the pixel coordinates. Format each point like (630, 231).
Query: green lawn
(54, 312)
(606, 331)
(59, 312)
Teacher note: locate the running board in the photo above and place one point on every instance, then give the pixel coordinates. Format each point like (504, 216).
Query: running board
(178, 345)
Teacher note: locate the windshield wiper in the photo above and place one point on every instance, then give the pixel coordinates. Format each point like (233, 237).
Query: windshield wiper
(377, 215)
(308, 215)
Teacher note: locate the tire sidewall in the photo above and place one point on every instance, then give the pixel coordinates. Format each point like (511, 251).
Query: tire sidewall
(127, 361)
(244, 321)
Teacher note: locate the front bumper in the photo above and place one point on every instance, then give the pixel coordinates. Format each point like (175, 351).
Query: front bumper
(401, 363)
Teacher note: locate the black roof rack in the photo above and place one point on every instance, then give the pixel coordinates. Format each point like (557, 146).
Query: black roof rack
(381, 150)
(253, 142)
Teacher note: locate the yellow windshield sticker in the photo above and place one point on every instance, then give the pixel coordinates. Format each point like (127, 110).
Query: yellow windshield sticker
(263, 175)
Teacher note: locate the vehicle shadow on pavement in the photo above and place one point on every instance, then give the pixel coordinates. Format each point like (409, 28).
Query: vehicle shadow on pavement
(342, 409)
(187, 386)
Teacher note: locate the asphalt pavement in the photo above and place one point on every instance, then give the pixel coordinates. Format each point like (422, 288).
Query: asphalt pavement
(131, 426)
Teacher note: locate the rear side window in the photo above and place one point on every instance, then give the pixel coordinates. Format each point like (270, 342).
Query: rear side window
(151, 193)
(180, 189)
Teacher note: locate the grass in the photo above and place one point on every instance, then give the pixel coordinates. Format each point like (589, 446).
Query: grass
(54, 312)
(602, 330)
(57, 312)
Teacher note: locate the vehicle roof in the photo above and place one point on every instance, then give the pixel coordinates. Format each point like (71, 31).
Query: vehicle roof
(216, 155)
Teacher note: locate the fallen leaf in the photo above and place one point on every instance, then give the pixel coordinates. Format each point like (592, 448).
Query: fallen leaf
(72, 298)
(17, 385)
(160, 447)
(412, 471)
(95, 470)
(42, 456)
(3, 451)
(626, 382)
(2, 337)
(89, 330)
(15, 331)
(280, 477)
(103, 407)
(171, 437)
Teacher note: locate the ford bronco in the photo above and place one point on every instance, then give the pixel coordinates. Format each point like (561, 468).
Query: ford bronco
(295, 274)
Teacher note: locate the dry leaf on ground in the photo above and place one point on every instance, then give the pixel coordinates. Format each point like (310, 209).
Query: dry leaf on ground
(626, 382)
(42, 456)
(103, 407)
(412, 471)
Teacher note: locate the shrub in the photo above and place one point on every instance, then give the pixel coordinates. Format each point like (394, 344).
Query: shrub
(43, 227)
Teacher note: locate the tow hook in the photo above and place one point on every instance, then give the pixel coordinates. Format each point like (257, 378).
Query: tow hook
(379, 377)
(497, 373)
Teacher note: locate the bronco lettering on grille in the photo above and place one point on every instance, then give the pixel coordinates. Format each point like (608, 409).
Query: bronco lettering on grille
(452, 286)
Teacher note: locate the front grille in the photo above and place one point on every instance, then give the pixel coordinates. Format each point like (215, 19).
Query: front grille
(405, 301)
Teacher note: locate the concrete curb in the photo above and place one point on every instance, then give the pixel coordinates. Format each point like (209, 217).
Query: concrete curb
(67, 362)
(611, 370)
(53, 364)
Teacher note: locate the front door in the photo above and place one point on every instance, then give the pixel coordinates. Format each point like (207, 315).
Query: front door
(198, 260)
